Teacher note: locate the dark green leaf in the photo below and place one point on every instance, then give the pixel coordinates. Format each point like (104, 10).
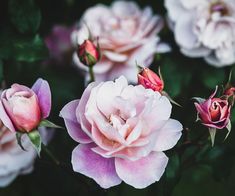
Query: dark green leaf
(19, 140)
(35, 139)
(25, 15)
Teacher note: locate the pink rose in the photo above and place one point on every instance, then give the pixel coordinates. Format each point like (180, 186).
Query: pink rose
(123, 131)
(13, 160)
(151, 80)
(88, 53)
(214, 112)
(204, 28)
(22, 108)
(126, 34)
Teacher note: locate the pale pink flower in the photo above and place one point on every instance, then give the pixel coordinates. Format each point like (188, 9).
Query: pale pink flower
(126, 34)
(204, 28)
(123, 131)
(13, 160)
(22, 108)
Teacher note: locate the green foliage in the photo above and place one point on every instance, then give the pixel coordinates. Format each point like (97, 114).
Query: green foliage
(24, 15)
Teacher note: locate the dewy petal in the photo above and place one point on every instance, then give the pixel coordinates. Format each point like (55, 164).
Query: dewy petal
(143, 172)
(88, 163)
(5, 118)
(43, 92)
(169, 135)
(74, 128)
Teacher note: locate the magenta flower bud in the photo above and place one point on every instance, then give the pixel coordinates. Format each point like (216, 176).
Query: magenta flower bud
(88, 53)
(214, 112)
(150, 80)
(22, 108)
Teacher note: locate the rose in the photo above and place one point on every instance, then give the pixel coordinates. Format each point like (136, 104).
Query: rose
(22, 108)
(214, 112)
(204, 28)
(126, 34)
(13, 160)
(151, 80)
(88, 53)
(122, 131)
(59, 44)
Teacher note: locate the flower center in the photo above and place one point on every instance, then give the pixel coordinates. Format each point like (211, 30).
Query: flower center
(219, 7)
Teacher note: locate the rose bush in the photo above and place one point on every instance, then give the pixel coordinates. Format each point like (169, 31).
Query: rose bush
(126, 34)
(123, 131)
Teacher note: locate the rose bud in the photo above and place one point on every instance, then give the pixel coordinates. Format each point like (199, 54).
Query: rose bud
(230, 91)
(214, 112)
(150, 80)
(22, 108)
(88, 53)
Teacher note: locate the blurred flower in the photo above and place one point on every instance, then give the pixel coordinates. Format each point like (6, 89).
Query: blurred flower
(122, 130)
(151, 80)
(22, 108)
(59, 44)
(13, 160)
(126, 34)
(204, 28)
(214, 112)
(88, 53)
(230, 91)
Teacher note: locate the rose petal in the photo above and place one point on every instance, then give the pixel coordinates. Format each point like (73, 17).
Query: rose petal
(169, 135)
(88, 163)
(74, 128)
(143, 172)
(42, 90)
(5, 118)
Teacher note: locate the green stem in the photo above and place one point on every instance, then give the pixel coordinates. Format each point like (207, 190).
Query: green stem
(49, 153)
(92, 76)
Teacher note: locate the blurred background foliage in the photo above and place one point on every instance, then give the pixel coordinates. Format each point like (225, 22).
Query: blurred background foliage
(196, 170)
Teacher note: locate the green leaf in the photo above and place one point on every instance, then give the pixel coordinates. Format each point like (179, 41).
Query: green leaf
(213, 77)
(47, 123)
(19, 140)
(35, 139)
(212, 132)
(172, 174)
(229, 127)
(25, 15)
(30, 50)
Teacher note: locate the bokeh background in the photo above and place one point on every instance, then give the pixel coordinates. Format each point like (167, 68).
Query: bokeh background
(22, 53)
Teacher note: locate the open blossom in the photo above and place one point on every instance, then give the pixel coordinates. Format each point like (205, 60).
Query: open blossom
(13, 160)
(126, 34)
(123, 131)
(214, 112)
(204, 28)
(59, 43)
(150, 80)
(22, 108)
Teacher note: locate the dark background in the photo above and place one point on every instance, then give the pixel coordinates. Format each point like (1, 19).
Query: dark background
(211, 170)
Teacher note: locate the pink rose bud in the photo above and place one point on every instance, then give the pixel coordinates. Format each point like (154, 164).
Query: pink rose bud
(214, 112)
(230, 91)
(150, 80)
(22, 108)
(88, 53)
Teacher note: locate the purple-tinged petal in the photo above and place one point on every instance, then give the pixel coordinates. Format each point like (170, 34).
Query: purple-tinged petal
(5, 118)
(43, 92)
(169, 135)
(143, 172)
(74, 128)
(88, 163)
